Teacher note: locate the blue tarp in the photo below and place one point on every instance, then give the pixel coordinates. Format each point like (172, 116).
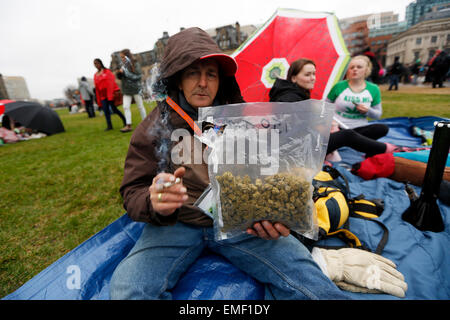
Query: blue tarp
(422, 257)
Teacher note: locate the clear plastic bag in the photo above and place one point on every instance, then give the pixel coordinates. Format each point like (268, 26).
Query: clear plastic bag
(262, 158)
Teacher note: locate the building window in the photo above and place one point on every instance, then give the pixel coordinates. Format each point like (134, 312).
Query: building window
(448, 37)
(418, 40)
(416, 55)
(433, 39)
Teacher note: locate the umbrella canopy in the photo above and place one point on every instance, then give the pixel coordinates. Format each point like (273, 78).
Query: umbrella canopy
(34, 116)
(287, 36)
(2, 106)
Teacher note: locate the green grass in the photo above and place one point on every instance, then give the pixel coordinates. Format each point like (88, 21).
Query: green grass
(58, 191)
(398, 104)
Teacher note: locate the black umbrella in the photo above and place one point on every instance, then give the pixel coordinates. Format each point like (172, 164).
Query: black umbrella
(35, 116)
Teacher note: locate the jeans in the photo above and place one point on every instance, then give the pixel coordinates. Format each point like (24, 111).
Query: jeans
(393, 81)
(163, 253)
(90, 108)
(108, 108)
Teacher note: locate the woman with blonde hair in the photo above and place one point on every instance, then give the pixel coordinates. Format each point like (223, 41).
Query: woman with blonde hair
(300, 81)
(131, 75)
(356, 100)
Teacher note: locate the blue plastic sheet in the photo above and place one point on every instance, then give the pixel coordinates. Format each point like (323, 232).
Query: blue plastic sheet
(400, 129)
(211, 276)
(94, 261)
(422, 257)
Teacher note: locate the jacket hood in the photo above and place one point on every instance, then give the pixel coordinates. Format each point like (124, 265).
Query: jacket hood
(286, 91)
(189, 45)
(183, 49)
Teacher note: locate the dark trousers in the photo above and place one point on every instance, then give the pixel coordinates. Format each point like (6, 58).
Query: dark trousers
(362, 139)
(108, 108)
(393, 80)
(89, 108)
(438, 80)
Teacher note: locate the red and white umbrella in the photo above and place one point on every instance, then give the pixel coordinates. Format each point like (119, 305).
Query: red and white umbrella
(2, 105)
(287, 36)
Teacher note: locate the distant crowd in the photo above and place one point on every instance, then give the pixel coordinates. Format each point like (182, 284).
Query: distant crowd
(105, 96)
(435, 71)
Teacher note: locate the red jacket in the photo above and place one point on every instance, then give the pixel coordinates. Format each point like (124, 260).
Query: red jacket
(105, 86)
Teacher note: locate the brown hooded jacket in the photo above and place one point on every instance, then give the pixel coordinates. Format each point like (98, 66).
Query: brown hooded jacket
(143, 159)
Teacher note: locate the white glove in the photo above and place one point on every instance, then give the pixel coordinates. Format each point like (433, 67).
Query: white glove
(357, 270)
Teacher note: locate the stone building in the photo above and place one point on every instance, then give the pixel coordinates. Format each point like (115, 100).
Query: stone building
(420, 41)
(380, 36)
(228, 38)
(3, 92)
(13, 88)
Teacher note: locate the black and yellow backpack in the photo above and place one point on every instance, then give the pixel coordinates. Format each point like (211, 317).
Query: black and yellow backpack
(334, 207)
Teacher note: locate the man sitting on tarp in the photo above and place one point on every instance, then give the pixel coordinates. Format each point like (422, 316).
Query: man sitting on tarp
(197, 74)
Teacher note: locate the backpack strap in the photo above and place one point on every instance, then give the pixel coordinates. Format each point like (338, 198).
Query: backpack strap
(335, 174)
(370, 210)
(347, 237)
(328, 177)
(384, 238)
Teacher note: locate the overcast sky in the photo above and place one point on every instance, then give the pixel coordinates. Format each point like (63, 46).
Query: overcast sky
(51, 43)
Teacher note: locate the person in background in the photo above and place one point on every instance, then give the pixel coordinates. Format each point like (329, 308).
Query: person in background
(88, 96)
(76, 101)
(376, 66)
(415, 70)
(439, 68)
(395, 71)
(357, 100)
(105, 86)
(131, 75)
(300, 81)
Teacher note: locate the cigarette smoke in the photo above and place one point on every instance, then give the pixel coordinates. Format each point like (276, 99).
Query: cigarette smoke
(156, 87)
(161, 128)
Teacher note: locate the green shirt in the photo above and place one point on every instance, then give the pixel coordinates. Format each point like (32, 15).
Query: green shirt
(345, 99)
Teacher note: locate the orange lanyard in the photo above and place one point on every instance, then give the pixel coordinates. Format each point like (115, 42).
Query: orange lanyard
(184, 115)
